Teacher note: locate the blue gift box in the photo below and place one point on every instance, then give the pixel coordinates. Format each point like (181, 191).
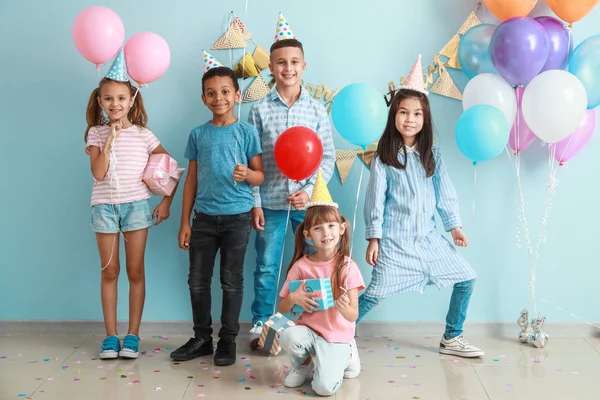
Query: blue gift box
(321, 286)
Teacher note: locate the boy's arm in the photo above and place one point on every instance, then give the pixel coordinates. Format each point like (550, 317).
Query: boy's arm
(189, 197)
(254, 119)
(255, 174)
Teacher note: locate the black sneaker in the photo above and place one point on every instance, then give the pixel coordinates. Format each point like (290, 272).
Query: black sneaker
(192, 349)
(225, 354)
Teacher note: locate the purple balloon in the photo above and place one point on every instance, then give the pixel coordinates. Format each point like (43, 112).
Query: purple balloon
(559, 45)
(576, 141)
(520, 134)
(519, 49)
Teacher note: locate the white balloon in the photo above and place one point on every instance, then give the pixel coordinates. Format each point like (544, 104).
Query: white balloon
(492, 90)
(554, 105)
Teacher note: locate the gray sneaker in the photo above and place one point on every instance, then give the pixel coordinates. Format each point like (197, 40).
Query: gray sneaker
(459, 346)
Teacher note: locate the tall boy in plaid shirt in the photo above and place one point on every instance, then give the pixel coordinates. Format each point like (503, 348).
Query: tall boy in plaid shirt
(288, 105)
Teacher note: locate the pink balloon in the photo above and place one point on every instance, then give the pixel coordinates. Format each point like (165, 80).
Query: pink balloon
(520, 140)
(147, 56)
(98, 33)
(576, 141)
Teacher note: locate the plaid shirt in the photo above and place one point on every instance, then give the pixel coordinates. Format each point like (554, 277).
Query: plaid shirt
(271, 117)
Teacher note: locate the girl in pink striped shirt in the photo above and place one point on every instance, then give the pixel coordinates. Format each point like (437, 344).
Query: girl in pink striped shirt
(119, 144)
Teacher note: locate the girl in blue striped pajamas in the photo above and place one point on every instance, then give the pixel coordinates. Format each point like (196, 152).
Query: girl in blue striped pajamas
(408, 182)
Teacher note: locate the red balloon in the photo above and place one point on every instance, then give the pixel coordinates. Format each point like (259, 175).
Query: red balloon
(298, 152)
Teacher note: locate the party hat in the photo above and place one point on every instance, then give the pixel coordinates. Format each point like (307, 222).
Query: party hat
(209, 61)
(415, 79)
(283, 30)
(118, 70)
(320, 195)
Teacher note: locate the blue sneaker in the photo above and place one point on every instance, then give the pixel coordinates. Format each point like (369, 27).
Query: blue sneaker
(130, 347)
(110, 347)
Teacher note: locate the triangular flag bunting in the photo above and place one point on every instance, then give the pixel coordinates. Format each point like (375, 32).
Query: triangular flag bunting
(261, 58)
(471, 21)
(445, 86)
(234, 38)
(256, 91)
(450, 50)
(367, 156)
(238, 24)
(344, 159)
(246, 67)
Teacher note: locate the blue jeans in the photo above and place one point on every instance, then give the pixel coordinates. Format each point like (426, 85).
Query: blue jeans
(269, 245)
(457, 312)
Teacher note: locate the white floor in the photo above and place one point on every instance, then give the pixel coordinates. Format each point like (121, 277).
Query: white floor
(64, 367)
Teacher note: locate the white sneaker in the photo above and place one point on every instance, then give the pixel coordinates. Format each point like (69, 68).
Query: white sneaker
(353, 368)
(255, 335)
(297, 376)
(459, 346)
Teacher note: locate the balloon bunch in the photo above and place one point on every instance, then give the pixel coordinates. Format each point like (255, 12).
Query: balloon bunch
(98, 33)
(528, 70)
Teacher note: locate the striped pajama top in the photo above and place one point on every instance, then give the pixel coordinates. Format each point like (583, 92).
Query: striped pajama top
(400, 208)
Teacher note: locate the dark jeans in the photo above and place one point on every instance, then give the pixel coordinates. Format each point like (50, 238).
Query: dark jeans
(230, 234)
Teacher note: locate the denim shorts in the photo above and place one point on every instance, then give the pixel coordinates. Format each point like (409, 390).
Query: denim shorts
(126, 217)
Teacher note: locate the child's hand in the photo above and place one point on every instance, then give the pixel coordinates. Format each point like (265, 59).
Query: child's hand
(161, 212)
(373, 252)
(185, 233)
(115, 127)
(258, 219)
(460, 239)
(342, 302)
(298, 199)
(239, 173)
(303, 299)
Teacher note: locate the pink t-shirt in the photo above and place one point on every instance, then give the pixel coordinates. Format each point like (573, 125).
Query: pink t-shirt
(328, 323)
(123, 180)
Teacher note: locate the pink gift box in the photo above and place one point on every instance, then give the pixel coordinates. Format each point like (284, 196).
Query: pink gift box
(162, 174)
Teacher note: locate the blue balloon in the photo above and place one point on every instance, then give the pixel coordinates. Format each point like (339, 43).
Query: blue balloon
(482, 132)
(474, 51)
(585, 65)
(359, 114)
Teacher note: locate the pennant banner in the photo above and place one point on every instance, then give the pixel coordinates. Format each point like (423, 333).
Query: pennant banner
(246, 68)
(261, 58)
(344, 159)
(256, 91)
(234, 38)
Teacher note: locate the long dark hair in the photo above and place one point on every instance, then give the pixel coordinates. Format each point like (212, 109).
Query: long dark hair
(93, 114)
(392, 142)
(317, 215)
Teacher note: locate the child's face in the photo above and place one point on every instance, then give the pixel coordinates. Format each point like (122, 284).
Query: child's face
(287, 66)
(115, 100)
(409, 118)
(220, 95)
(326, 236)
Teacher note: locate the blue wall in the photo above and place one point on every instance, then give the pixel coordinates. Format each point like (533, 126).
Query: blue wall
(50, 264)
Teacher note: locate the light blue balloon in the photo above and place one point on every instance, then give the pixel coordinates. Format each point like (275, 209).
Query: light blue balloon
(482, 132)
(585, 65)
(474, 51)
(359, 114)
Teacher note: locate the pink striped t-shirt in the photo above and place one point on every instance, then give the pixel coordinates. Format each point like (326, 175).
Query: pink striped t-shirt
(123, 180)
